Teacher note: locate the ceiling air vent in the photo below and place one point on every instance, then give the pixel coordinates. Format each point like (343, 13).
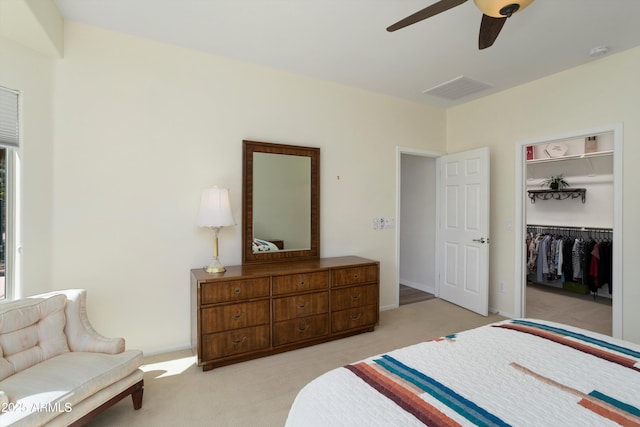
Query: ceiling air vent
(457, 88)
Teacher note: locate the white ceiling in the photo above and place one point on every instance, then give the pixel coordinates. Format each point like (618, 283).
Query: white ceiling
(345, 41)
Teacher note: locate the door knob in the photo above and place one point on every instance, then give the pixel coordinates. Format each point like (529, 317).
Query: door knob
(481, 240)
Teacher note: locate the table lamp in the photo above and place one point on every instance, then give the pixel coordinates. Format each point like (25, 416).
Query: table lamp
(215, 212)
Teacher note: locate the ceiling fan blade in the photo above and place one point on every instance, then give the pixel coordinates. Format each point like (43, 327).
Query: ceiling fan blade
(489, 30)
(427, 12)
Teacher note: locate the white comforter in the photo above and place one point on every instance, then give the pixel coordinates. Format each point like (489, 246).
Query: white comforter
(519, 372)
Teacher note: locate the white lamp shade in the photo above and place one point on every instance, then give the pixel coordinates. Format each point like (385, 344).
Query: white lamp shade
(215, 209)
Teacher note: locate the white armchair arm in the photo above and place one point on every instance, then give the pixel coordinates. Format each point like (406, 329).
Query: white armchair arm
(80, 334)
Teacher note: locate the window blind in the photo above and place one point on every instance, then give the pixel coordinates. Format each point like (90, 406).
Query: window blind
(9, 128)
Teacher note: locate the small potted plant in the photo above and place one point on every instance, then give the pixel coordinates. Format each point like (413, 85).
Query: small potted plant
(555, 182)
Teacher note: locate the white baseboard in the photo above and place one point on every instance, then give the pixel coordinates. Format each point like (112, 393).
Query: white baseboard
(165, 350)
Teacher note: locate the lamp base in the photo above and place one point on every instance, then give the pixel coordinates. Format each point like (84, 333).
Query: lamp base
(215, 267)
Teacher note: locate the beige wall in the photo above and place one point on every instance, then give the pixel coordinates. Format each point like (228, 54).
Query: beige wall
(601, 93)
(31, 73)
(142, 127)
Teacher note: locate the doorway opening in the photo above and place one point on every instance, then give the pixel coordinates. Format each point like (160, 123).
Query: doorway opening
(458, 224)
(588, 211)
(416, 226)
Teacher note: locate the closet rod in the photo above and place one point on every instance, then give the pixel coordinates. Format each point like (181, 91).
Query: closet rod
(569, 228)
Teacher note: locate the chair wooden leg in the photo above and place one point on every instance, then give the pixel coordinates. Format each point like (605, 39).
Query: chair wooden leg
(135, 391)
(136, 395)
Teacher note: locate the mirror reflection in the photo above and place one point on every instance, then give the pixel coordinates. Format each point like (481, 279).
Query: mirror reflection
(281, 202)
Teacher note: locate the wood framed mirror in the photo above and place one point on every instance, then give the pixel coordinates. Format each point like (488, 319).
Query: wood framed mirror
(280, 202)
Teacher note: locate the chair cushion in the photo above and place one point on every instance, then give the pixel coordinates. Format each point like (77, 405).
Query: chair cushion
(31, 331)
(63, 381)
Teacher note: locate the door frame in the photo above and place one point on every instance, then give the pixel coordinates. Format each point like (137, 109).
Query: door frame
(414, 152)
(520, 219)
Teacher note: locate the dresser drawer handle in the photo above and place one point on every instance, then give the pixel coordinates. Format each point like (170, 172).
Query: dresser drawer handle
(356, 317)
(237, 290)
(240, 340)
(303, 328)
(301, 306)
(301, 283)
(238, 315)
(355, 297)
(355, 276)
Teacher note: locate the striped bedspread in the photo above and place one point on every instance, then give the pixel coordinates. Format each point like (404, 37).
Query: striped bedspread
(521, 372)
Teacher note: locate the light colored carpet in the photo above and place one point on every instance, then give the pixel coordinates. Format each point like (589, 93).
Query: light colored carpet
(571, 309)
(260, 392)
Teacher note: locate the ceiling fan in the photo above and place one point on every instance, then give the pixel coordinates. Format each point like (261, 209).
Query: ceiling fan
(494, 15)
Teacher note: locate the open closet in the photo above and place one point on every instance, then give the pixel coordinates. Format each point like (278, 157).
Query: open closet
(569, 227)
(575, 259)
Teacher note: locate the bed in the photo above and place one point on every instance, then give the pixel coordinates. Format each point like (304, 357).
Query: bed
(261, 245)
(521, 372)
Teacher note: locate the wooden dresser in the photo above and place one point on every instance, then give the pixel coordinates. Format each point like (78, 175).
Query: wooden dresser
(256, 310)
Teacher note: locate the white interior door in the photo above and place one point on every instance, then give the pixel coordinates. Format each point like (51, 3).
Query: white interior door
(463, 232)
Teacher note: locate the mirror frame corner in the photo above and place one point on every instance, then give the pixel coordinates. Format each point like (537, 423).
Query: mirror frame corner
(250, 147)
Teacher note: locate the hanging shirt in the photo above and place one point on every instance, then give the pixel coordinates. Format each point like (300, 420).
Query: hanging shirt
(533, 253)
(576, 258)
(593, 270)
(559, 259)
(541, 264)
(551, 255)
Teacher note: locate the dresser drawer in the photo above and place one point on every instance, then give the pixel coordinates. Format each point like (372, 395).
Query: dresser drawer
(355, 275)
(301, 329)
(344, 320)
(215, 346)
(234, 316)
(300, 306)
(354, 296)
(234, 290)
(300, 282)
(255, 310)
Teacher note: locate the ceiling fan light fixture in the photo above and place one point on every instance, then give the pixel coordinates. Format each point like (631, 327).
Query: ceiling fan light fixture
(501, 8)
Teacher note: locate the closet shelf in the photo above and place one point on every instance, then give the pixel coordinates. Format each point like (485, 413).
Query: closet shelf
(560, 194)
(585, 156)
